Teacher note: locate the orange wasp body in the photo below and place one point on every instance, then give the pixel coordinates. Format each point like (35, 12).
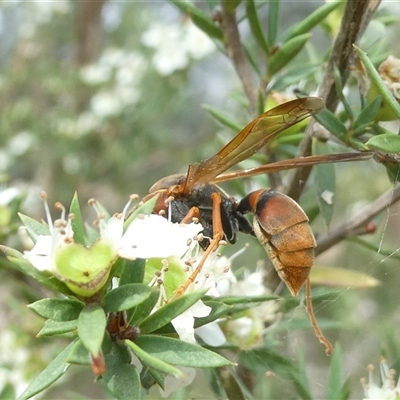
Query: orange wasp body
(279, 223)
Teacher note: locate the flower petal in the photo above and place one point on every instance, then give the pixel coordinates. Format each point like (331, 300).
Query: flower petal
(155, 237)
(40, 255)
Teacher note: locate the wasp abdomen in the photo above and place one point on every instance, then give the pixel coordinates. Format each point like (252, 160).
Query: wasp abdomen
(282, 228)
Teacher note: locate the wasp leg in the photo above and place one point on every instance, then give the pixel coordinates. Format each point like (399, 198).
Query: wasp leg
(194, 212)
(318, 333)
(218, 234)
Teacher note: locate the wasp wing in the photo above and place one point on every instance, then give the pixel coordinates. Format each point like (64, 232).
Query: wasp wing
(252, 138)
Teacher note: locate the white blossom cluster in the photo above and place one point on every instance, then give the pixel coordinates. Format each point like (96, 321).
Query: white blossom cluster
(382, 388)
(176, 45)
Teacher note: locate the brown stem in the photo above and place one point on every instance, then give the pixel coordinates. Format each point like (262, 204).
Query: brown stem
(89, 30)
(356, 17)
(348, 228)
(236, 53)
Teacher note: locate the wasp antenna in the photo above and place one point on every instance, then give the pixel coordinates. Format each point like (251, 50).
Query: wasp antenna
(318, 333)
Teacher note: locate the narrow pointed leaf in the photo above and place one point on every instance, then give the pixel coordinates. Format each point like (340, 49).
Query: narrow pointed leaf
(91, 328)
(58, 309)
(367, 115)
(137, 315)
(79, 354)
(255, 26)
(200, 19)
(49, 375)
(124, 383)
(286, 53)
(387, 96)
(273, 21)
(132, 271)
(299, 377)
(308, 23)
(54, 328)
(77, 223)
(224, 119)
(10, 252)
(387, 142)
(43, 277)
(168, 312)
(33, 227)
(177, 352)
(339, 91)
(334, 390)
(340, 277)
(126, 296)
(153, 361)
(328, 120)
(218, 310)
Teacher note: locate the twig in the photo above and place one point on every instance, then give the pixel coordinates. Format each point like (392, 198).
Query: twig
(236, 53)
(349, 227)
(356, 17)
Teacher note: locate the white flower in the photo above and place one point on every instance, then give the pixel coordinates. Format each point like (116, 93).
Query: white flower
(42, 255)
(95, 74)
(8, 195)
(105, 104)
(175, 45)
(247, 330)
(153, 236)
(21, 143)
(387, 390)
(184, 323)
(172, 383)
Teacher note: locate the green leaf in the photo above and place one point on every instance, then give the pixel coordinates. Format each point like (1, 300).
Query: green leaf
(10, 252)
(367, 114)
(132, 271)
(8, 392)
(124, 382)
(79, 354)
(144, 310)
(328, 120)
(152, 361)
(44, 277)
(340, 277)
(273, 21)
(58, 309)
(168, 312)
(387, 142)
(334, 388)
(55, 370)
(218, 310)
(224, 119)
(299, 377)
(388, 98)
(255, 26)
(286, 53)
(177, 352)
(91, 328)
(200, 19)
(126, 296)
(53, 328)
(77, 223)
(231, 300)
(230, 385)
(326, 184)
(33, 227)
(339, 91)
(308, 23)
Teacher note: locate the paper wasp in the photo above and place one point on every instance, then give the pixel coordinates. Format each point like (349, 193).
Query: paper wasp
(279, 223)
